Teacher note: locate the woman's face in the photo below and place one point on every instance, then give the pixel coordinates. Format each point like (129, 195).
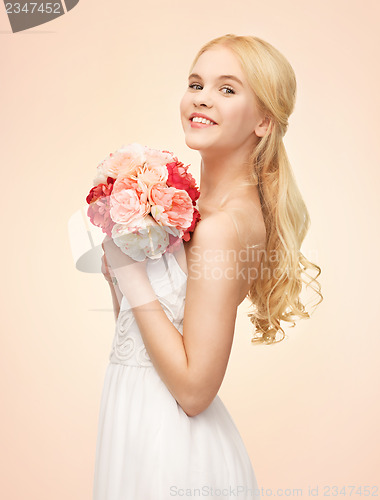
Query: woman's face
(226, 100)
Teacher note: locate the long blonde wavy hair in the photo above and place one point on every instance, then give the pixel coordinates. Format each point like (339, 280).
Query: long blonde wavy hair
(275, 294)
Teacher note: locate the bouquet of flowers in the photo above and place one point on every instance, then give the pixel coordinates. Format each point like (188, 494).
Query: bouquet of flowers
(145, 200)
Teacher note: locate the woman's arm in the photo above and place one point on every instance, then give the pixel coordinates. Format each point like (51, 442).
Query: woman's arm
(114, 288)
(116, 298)
(192, 365)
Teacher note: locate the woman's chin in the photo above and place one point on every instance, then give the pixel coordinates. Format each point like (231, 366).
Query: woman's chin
(197, 143)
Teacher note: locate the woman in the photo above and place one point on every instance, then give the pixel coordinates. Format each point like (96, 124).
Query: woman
(163, 430)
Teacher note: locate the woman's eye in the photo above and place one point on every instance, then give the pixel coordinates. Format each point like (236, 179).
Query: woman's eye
(191, 86)
(229, 88)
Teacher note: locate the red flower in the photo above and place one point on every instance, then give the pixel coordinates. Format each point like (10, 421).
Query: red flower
(100, 190)
(189, 230)
(180, 178)
(99, 210)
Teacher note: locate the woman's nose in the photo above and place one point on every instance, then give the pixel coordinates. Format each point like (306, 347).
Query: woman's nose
(203, 98)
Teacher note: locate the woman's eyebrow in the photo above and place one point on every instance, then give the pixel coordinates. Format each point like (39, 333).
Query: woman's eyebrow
(221, 77)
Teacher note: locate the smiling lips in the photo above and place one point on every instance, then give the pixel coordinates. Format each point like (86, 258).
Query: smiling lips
(198, 120)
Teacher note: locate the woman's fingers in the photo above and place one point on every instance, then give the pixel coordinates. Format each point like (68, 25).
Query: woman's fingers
(105, 268)
(106, 239)
(105, 261)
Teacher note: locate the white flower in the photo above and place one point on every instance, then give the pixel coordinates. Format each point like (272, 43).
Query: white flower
(142, 238)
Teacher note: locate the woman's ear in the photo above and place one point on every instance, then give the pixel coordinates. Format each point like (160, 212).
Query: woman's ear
(262, 126)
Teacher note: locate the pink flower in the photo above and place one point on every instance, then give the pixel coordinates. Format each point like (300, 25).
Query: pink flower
(125, 161)
(151, 174)
(155, 157)
(99, 214)
(144, 198)
(174, 243)
(129, 200)
(171, 206)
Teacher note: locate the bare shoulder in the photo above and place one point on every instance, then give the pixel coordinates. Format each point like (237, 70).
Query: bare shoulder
(216, 228)
(236, 225)
(223, 248)
(215, 242)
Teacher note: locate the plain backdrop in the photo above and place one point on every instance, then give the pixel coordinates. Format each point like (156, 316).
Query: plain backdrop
(110, 73)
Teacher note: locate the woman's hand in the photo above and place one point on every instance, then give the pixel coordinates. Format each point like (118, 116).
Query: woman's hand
(131, 275)
(121, 265)
(116, 259)
(106, 270)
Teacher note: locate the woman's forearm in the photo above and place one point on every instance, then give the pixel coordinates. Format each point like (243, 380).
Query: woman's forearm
(163, 342)
(165, 346)
(116, 298)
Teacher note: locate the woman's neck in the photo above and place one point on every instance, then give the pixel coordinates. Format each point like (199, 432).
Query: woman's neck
(222, 181)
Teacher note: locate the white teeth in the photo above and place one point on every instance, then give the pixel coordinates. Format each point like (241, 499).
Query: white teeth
(201, 120)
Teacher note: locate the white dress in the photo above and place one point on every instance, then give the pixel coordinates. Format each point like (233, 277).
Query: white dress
(147, 447)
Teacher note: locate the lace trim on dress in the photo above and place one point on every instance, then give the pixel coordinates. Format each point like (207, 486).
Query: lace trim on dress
(128, 347)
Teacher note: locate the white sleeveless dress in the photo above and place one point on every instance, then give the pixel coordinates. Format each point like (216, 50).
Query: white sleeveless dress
(147, 447)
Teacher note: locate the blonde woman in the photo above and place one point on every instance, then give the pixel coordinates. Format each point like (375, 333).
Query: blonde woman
(163, 430)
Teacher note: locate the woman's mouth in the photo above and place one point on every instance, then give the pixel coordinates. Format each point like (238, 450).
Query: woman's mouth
(197, 122)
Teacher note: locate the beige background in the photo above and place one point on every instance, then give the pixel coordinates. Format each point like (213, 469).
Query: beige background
(109, 73)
